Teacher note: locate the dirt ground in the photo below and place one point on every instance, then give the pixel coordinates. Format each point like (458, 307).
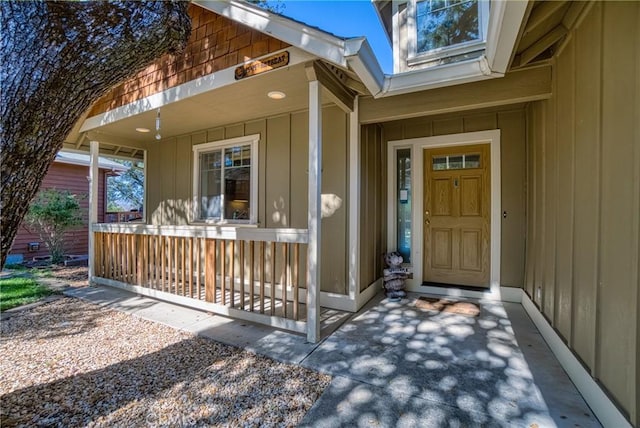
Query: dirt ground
(76, 276)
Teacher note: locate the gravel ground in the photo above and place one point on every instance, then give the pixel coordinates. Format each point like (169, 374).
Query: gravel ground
(70, 363)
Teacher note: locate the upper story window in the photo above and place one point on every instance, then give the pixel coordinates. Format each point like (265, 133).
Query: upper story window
(225, 180)
(446, 28)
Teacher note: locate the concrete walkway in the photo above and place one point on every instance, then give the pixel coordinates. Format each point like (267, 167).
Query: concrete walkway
(396, 365)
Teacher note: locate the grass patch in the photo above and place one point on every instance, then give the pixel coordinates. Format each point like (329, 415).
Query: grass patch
(20, 291)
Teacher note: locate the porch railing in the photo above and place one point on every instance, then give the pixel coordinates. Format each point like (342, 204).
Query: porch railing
(252, 273)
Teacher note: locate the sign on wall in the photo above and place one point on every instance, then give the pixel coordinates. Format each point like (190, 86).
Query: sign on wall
(260, 66)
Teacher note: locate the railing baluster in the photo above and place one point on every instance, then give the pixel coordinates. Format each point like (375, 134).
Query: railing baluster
(198, 270)
(262, 277)
(210, 270)
(251, 274)
(285, 265)
(182, 266)
(176, 265)
(232, 277)
(139, 260)
(241, 265)
(190, 258)
(294, 279)
(273, 277)
(223, 279)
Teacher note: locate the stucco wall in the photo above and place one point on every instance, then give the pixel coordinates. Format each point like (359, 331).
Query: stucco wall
(283, 180)
(584, 175)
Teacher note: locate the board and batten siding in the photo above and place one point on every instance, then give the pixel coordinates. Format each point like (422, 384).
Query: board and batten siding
(511, 120)
(584, 200)
(373, 204)
(282, 180)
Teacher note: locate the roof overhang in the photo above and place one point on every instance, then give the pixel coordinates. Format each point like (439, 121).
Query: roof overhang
(505, 20)
(82, 159)
(353, 54)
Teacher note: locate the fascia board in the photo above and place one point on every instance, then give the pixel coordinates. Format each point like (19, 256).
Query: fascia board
(102, 163)
(316, 42)
(363, 62)
(437, 77)
(505, 20)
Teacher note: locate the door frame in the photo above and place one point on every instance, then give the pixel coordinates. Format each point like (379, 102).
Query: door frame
(417, 145)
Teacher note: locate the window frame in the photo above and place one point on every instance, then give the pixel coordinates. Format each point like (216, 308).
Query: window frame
(221, 145)
(414, 57)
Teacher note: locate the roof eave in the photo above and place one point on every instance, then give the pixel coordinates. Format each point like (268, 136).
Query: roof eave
(312, 40)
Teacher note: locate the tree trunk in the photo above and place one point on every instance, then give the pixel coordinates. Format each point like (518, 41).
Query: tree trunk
(57, 59)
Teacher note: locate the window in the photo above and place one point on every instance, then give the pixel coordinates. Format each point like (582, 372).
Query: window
(225, 180)
(403, 183)
(445, 28)
(466, 161)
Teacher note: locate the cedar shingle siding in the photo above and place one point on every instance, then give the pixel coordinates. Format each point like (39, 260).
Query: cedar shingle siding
(216, 43)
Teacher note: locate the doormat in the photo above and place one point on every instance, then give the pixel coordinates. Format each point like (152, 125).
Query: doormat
(444, 305)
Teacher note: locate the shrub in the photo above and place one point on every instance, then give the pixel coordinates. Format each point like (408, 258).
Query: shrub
(51, 214)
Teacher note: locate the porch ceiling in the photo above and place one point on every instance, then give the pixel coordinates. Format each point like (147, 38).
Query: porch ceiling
(238, 102)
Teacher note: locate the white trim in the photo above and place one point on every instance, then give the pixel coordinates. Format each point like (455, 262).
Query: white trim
(417, 146)
(201, 85)
(198, 149)
(505, 19)
(369, 293)
(85, 160)
(313, 40)
(273, 321)
(238, 233)
(145, 197)
(94, 174)
(314, 263)
(337, 301)
(354, 201)
(604, 409)
(499, 294)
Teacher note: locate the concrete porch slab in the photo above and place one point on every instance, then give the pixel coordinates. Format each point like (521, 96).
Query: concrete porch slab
(395, 364)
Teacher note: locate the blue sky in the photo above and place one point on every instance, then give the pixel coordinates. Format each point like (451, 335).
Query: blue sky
(345, 19)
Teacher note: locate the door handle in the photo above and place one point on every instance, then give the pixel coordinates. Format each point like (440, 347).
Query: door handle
(427, 219)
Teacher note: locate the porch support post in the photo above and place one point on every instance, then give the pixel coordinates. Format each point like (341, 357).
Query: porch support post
(314, 215)
(94, 173)
(354, 203)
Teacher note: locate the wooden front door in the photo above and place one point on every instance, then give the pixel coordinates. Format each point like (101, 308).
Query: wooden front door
(457, 215)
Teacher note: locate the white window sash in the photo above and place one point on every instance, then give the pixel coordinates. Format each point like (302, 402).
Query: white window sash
(221, 145)
(448, 51)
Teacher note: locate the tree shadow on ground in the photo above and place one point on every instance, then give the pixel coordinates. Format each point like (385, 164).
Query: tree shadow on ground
(192, 381)
(400, 365)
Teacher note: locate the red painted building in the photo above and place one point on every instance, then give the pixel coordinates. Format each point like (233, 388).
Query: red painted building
(69, 171)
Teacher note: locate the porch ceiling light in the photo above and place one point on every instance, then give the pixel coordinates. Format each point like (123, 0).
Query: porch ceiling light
(143, 129)
(276, 95)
